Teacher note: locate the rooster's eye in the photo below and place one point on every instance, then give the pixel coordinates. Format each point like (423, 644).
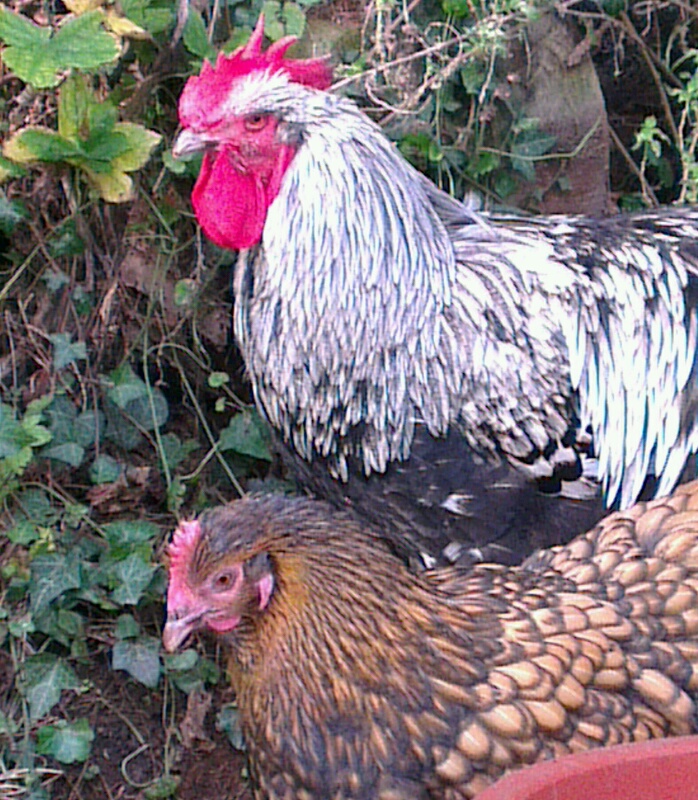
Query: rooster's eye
(255, 122)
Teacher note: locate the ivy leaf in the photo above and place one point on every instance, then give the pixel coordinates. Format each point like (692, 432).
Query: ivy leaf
(105, 469)
(11, 213)
(140, 658)
(247, 436)
(45, 677)
(52, 574)
(125, 533)
(66, 742)
(67, 453)
(132, 576)
(65, 351)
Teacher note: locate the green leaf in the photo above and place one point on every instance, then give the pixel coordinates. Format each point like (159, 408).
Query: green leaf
(105, 469)
(39, 56)
(195, 37)
(52, 574)
(228, 721)
(66, 742)
(24, 533)
(218, 379)
(126, 627)
(282, 20)
(45, 677)
(34, 143)
(174, 451)
(140, 658)
(65, 351)
(68, 453)
(11, 214)
(154, 17)
(126, 533)
(86, 427)
(133, 575)
(247, 436)
(185, 292)
(131, 393)
(139, 144)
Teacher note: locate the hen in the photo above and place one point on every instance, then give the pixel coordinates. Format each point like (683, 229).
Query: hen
(422, 363)
(357, 678)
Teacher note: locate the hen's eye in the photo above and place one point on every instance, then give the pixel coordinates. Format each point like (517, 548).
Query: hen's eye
(255, 122)
(224, 581)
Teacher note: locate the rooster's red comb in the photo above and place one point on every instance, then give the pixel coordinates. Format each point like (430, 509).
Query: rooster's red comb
(213, 84)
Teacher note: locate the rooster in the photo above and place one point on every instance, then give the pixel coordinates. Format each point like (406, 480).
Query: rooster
(421, 363)
(359, 678)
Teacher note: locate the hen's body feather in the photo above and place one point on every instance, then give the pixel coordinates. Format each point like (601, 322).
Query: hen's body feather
(376, 309)
(356, 678)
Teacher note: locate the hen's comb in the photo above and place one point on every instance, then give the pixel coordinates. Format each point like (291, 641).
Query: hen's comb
(212, 86)
(181, 554)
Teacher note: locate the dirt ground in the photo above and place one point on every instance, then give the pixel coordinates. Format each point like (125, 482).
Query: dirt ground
(136, 743)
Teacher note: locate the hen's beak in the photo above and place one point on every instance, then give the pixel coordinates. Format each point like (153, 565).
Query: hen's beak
(188, 143)
(176, 631)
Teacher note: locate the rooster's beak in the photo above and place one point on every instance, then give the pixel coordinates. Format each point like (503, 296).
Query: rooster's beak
(188, 143)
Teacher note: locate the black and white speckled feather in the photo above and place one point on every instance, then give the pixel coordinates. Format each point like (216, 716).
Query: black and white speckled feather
(377, 309)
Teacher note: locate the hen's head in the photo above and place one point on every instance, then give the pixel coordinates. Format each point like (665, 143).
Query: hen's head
(217, 576)
(232, 110)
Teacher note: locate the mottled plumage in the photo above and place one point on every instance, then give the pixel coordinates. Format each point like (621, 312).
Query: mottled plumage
(357, 678)
(374, 312)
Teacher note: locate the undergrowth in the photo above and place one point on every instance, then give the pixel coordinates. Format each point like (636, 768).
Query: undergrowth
(123, 403)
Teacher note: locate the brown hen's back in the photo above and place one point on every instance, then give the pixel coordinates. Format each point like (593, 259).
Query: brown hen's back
(359, 679)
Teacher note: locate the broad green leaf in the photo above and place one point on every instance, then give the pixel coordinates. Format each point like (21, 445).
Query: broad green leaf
(141, 143)
(24, 532)
(126, 533)
(65, 351)
(11, 214)
(82, 43)
(133, 575)
(52, 574)
(175, 451)
(126, 627)
(103, 148)
(228, 721)
(140, 658)
(105, 469)
(86, 427)
(111, 185)
(66, 742)
(247, 436)
(33, 143)
(154, 17)
(195, 37)
(179, 662)
(68, 453)
(125, 386)
(39, 56)
(218, 379)
(45, 677)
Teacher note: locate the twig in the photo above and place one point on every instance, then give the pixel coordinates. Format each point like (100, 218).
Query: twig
(647, 190)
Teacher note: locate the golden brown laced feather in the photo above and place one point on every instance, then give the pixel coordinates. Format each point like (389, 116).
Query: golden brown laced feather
(357, 678)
